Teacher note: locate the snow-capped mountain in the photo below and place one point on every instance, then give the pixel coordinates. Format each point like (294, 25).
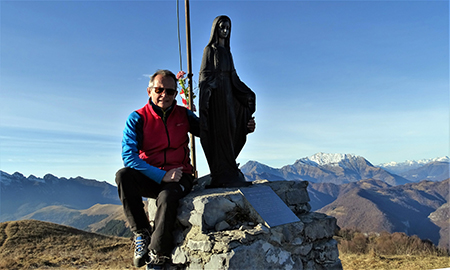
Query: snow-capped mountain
(322, 159)
(401, 167)
(326, 168)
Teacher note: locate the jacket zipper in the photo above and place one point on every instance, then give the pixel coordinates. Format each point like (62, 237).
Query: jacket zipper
(167, 133)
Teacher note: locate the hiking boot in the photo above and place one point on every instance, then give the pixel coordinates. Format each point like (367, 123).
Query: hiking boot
(141, 242)
(156, 262)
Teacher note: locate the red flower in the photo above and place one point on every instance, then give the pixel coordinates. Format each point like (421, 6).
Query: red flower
(180, 75)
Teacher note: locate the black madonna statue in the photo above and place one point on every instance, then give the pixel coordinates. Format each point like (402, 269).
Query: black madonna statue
(226, 108)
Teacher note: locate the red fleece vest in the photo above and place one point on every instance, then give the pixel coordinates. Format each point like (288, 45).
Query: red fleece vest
(165, 146)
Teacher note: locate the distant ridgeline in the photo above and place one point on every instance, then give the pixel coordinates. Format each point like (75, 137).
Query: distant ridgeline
(76, 202)
(345, 168)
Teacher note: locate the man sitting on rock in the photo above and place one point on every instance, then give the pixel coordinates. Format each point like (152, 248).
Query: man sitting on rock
(155, 153)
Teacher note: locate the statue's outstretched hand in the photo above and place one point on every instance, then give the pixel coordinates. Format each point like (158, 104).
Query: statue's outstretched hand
(251, 125)
(194, 109)
(173, 175)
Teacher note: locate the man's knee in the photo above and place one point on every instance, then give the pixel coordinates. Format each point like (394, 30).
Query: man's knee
(120, 176)
(123, 174)
(170, 195)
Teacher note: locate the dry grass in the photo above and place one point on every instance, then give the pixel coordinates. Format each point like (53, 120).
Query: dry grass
(398, 262)
(30, 244)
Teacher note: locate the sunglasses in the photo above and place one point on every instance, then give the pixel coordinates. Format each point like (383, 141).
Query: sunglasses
(169, 91)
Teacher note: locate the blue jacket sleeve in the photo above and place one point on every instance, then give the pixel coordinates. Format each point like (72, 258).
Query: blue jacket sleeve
(132, 137)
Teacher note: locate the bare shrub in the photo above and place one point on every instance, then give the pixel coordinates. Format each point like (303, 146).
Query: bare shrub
(352, 241)
(360, 243)
(383, 244)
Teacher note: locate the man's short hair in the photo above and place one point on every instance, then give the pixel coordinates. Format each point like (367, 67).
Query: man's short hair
(164, 73)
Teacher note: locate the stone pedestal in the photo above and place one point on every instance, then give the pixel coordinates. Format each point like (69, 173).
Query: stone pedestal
(219, 229)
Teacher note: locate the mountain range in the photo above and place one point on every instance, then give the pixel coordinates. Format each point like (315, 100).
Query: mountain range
(409, 197)
(408, 165)
(370, 205)
(21, 196)
(346, 168)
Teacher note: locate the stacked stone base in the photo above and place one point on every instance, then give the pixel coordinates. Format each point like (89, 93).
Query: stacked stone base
(219, 229)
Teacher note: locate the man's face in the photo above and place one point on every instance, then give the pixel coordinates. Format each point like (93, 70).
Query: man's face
(163, 99)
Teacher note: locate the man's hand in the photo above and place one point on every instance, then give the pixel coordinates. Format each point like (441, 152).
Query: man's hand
(173, 175)
(251, 125)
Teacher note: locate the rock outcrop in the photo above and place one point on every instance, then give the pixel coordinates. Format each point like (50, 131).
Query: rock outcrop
(219, 229)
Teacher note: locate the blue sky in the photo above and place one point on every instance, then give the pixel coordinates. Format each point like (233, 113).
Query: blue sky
(369, 78)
